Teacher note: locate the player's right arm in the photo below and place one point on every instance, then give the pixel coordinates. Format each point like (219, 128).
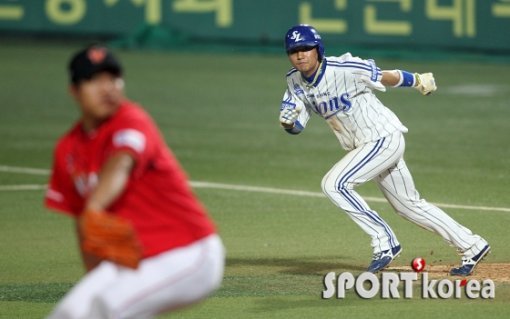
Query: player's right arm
(293, 113)
(112, 181)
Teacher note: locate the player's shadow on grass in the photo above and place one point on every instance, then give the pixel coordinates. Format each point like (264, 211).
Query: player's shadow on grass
(299, 266)
(285, 283)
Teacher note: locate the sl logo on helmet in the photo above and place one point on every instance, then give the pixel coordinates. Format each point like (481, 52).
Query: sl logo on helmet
(296, 36)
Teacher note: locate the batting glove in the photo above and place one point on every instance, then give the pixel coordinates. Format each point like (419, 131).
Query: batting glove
(289, 114)
(425, 83)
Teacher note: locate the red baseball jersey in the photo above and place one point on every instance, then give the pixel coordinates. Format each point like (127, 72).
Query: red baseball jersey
(157, 200)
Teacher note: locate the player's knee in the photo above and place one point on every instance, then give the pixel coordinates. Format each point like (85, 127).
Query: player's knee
(327, 185)
(336, 193)
(330, 185)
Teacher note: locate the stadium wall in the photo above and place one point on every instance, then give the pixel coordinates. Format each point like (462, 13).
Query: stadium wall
(464, 25)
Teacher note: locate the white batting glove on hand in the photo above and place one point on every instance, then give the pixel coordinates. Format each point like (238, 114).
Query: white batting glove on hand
(289, 115)
(425, 83)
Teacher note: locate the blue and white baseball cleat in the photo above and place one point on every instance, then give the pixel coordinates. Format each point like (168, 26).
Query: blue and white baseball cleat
(382, 259)
(469, 264)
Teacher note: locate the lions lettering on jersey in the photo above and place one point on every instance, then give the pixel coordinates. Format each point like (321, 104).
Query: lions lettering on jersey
(328, 108)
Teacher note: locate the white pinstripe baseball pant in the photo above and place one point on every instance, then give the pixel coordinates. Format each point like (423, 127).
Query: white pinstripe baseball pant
(383, 162)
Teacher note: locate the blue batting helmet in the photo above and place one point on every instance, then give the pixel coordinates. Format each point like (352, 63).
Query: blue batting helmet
(304, 35)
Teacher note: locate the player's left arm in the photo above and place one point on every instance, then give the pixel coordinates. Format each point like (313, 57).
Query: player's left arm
(423, 82)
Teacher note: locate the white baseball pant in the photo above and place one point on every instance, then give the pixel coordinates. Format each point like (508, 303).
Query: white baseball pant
(168, 281)
(383, 162)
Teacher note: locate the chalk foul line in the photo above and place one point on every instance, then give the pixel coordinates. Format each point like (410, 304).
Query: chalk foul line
(232, 187)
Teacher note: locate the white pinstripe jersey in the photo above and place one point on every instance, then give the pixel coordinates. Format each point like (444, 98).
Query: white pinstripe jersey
(342, 95)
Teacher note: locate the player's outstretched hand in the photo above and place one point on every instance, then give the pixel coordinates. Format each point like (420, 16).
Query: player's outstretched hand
(289, 115)
(425, 83)
(109, 237)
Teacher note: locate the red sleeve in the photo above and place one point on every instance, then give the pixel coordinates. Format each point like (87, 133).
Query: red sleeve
(61, 194)
(134, 134)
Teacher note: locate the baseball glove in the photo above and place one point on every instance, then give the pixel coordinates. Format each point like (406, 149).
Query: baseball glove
(110, 237)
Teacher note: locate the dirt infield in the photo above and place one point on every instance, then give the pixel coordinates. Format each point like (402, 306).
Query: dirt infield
(498, 272)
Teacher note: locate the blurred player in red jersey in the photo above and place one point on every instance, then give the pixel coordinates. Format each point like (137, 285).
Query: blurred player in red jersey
(114, 160)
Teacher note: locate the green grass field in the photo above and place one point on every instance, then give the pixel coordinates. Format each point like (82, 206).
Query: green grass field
(219, 115)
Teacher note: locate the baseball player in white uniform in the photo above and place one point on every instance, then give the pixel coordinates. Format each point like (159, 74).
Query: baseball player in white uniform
(341, 91)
